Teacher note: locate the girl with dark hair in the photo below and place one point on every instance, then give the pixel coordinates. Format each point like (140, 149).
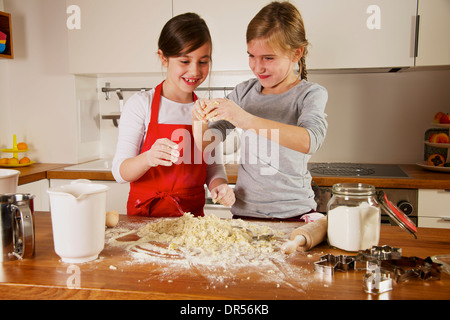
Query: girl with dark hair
(155, 150)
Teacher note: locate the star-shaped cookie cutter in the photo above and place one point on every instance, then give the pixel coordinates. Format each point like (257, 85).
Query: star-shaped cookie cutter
(383, 253)
(329, 263)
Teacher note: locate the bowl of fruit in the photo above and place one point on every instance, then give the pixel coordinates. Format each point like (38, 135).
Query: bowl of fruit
(441, 120)
(17, 159)
(439, 140)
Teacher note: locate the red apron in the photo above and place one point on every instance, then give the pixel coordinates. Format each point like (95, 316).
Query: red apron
(170, 191)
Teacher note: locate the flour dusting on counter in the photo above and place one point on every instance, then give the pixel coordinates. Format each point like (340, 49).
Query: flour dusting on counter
(203, 240)
(218, 249)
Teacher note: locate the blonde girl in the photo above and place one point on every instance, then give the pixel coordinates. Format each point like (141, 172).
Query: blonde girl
(279, 111)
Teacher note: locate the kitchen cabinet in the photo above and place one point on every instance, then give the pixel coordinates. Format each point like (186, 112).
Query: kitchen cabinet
(115, 36)
(342, 34)
(227, 22)
(434, 208)
(39, 190)
(359, 33)
(434, 28)
(116, 197)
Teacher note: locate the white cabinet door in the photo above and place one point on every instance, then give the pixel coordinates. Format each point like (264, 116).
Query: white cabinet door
(434, 33)
(434, 208)
(359, 33)
(39, 190)
(227, 22)
(115, 36)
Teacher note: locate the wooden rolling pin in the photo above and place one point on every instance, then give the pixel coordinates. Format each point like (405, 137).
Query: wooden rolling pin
(306, 237)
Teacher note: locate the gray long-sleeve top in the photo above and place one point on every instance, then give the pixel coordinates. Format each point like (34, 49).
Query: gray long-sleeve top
(273, 181)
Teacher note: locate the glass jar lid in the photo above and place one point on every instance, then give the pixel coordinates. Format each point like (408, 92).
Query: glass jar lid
(353, 189)
(396, 214)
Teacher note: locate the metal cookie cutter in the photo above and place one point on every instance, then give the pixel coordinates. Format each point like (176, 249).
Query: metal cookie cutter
(412, 267)
(329, 263)
(375, 280)
(376, 254)
(386, 253)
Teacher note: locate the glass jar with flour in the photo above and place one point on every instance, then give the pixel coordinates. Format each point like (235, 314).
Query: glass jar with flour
(354, 217)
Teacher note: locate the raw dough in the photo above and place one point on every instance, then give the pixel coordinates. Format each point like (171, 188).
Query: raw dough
(112, 219)
(206, 240)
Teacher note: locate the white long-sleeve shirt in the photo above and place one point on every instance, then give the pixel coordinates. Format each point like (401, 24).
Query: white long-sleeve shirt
(133, 128)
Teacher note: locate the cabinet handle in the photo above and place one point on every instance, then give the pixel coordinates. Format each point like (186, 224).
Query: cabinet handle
(416, 40)
(445, 218)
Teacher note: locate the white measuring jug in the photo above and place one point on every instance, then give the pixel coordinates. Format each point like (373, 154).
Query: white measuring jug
(78, 212)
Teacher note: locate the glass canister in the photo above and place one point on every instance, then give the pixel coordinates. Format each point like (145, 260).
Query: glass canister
(354, 217)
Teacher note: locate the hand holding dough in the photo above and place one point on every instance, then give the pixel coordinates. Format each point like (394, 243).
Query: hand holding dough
(223, 194)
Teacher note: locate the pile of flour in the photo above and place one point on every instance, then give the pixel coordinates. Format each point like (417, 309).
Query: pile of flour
(205, 240)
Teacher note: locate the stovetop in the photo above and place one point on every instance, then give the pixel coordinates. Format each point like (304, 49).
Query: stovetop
(357, 170)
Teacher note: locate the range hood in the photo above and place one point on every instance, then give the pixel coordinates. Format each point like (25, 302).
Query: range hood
(358, 70)
(378, 70)
(367, 170)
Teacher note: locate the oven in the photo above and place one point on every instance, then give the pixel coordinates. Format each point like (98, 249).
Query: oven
(405, 199)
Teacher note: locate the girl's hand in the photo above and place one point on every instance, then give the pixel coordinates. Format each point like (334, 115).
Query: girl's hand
(198, 112)
(223, 194)
(162, 153)
(224, 109)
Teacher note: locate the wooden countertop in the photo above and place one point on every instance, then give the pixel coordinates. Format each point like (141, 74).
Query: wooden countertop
(420, 178)
(37, 171)
(115, 276)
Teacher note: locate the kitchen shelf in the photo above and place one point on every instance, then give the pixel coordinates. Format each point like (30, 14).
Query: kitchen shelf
(107, 89)
(112, 116)
(5, 27)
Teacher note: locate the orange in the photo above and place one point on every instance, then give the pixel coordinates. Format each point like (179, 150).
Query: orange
(24, 160)
(13, 161)
(22, 146)
(436, 160)
(4, 161)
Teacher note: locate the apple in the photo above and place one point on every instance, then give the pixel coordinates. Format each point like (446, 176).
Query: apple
(432, 138)
(439, 138)
(445, 119)
(437, 117)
